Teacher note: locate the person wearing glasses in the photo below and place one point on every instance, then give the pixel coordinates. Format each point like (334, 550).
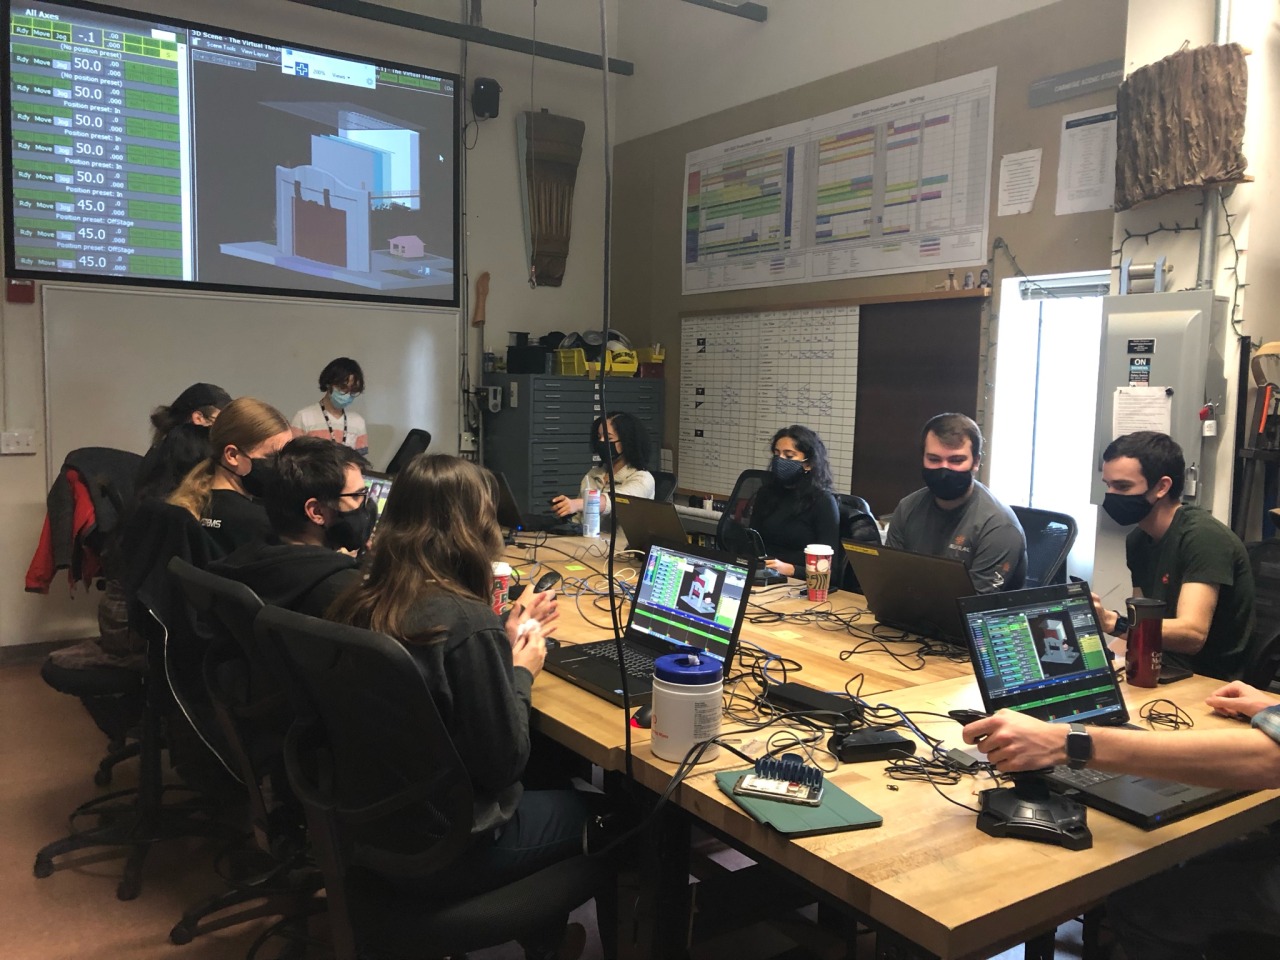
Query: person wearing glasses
(341, 381)
(316, 500)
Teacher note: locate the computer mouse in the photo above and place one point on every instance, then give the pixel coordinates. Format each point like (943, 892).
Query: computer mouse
(546, 581)
(643, 718)
(552, 643)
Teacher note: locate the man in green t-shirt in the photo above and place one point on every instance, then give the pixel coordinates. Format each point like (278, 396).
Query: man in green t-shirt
(1179, 554)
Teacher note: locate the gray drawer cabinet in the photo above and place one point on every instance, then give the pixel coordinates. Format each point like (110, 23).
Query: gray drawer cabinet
(540, 439)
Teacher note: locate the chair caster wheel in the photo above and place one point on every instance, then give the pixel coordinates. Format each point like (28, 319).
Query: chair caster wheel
(181, 934)
(43, 868)
(128, 889)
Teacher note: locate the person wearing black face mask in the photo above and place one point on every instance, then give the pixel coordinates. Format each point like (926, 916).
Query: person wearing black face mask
(796, 506)
(621, 444)
(1180, 554)
(320, 519)
(957, 517)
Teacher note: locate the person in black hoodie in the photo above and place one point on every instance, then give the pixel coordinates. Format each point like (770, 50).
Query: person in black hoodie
(796, 506)
(315, 498)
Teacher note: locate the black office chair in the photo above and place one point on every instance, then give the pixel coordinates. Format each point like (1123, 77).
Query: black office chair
(415, 442)
(737, 511)
(1049, 539)
(1263, 658)
(254, 716)
(388, 799)
(664, 486)
(109, 687)
(858, 524)
(137, 818)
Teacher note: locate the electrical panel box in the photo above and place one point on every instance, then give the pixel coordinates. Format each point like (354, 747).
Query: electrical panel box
(1169, 344)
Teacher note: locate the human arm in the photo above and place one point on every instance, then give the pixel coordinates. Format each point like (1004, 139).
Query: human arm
(1238, 699)
(1188, 628)
(639, 483)
(1243, 759)
(528, 645)
(537, 606)
(895, 536)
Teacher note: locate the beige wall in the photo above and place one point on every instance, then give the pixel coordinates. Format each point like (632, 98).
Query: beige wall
(649, 170)
(692, 62)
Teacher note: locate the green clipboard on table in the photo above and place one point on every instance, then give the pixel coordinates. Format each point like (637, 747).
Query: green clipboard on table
(837, 812)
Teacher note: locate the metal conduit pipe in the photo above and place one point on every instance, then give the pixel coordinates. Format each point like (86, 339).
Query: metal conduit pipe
(1207, 265)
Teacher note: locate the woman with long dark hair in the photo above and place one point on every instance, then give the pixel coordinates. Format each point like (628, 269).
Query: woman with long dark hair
(796, 505)
(621, 442)
(429, 579)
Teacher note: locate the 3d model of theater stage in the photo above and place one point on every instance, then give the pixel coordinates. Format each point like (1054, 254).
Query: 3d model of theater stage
(323, 208)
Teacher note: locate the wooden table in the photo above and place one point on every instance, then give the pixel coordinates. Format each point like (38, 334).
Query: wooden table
(927, 874)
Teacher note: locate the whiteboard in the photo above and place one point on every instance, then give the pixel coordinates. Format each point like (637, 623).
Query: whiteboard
(111, 356)
(745, 375)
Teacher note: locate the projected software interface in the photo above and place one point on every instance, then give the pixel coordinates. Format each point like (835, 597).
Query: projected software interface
(690, 600)
(143, 150)
(1045, 659)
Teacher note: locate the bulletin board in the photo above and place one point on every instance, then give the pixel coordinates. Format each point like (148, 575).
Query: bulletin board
(743, 375)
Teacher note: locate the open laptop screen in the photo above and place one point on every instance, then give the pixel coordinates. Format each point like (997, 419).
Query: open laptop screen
(1042, 652)
(692, 599)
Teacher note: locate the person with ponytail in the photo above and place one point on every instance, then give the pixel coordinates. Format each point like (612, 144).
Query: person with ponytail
(428, 584)
(796, 505)
(219, 492)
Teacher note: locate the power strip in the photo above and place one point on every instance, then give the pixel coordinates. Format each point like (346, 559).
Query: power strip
(797, 698)
(864, 745)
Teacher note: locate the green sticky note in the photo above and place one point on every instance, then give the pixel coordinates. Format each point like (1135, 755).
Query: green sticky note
(574, 567)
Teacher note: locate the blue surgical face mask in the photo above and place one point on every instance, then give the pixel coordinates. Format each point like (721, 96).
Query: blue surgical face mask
(341, 399)
(786, 472)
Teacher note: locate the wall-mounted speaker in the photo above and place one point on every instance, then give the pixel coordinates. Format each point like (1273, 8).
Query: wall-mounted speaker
(484, 98)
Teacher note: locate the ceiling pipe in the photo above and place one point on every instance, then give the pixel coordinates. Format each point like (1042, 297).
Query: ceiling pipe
(471, 34)
(1210, 197)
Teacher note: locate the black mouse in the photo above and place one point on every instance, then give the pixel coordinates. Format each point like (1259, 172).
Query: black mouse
(643, 718)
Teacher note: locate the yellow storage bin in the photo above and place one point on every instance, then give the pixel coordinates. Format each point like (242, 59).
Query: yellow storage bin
(574, 363)
(650, 355)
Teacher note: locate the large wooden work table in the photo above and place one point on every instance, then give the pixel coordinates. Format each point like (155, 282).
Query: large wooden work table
(927, 874)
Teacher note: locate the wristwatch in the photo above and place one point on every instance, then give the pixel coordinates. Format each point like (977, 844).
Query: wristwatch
(1079, 747)
(1122, 626)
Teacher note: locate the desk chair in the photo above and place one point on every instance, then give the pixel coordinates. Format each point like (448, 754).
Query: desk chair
(1049, 539)
(664, 486)
(415, 442)
(857, 523)
(254, 716)
(737, 510)
(387, 798)
(108, 684)
(135, 819)
(1263, 662)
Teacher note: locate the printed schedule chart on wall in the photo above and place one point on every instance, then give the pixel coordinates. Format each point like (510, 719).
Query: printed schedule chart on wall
(745, 375)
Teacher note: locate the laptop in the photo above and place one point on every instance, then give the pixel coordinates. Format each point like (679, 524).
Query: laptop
(378, 485)
(687, 596)
(646, 522)
(916, 592)
(509, 515)
(1042, 652)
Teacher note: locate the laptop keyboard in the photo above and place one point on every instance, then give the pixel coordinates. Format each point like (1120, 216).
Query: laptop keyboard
(1081, 778)
(637, 664)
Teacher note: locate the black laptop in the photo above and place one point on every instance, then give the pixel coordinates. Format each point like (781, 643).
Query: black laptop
(687, 597)
(1042, 652)
(646, 522)
(916, 592)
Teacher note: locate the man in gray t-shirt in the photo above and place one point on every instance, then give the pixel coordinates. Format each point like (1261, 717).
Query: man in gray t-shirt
(954, 515)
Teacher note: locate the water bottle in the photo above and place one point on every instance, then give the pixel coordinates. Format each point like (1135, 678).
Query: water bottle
(591, 514)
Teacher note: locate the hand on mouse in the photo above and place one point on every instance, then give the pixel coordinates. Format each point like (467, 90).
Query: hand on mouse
(786, 569)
